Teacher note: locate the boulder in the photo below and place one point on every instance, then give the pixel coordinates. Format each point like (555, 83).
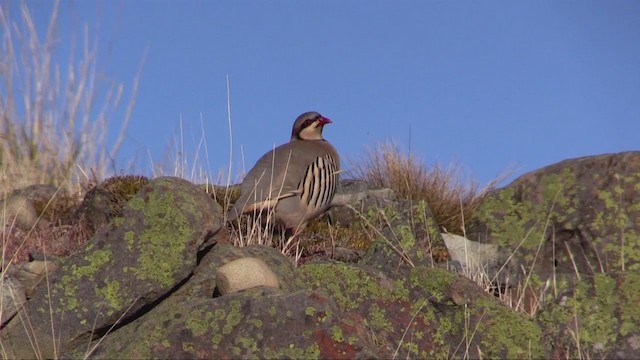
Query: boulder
(579, 216)
(130, 264)
(245, 273)
(596, 317)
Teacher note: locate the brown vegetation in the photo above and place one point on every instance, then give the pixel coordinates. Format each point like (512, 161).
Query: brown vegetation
(54, 119)
(451, 199)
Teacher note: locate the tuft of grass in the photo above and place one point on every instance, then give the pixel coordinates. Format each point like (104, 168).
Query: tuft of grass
(54, 119)
(450, 198)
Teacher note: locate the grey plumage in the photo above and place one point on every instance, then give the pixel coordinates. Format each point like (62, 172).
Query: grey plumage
(297, 180)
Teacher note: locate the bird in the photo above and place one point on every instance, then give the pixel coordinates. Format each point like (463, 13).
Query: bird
(296, 180)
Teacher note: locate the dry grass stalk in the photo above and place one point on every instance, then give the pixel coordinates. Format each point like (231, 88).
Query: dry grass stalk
(53, 123)
(443, 189)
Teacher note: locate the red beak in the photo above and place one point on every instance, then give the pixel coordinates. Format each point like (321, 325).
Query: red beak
(324, 120)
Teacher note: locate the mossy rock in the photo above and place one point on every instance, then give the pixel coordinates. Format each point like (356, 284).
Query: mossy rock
(406, 237)
(577, 216)
(107, 200)
(422, 312)
(595, 316)
(256, 323)
(129, 264)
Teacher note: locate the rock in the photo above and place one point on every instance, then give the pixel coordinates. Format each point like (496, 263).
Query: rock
(570, 235)
(203, 282)
(106, 200)
(20, 206)
(97, 209)
(424, 312)
(473, 256)
(596, 315)
(30, 274)
(260, 322)
(131, 263)
(408, 233)
(355, 196)
(245, 273)
(257, 323)
(580, 216)
(12, 297)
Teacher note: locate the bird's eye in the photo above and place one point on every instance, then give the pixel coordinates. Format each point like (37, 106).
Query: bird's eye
(307, 123)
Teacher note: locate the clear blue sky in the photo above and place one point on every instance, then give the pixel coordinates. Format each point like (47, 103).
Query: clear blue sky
(489, 84)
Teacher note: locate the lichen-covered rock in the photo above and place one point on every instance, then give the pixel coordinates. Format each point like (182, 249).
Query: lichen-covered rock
(12, 297)
(426, 313)
(572, 234)
(257, 323)
(576, 216)
(407, 237)
(598, 317)
(356, 195)
(136, 259)
(107, 199)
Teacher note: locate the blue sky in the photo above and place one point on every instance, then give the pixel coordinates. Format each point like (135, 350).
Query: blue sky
(487, 84)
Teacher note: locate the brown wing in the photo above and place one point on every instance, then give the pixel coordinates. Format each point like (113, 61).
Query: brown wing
(278, 175)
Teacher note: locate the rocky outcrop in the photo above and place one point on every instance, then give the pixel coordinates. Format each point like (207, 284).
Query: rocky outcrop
(160, 279)
(127, 266)
(580, 216)
(322, 310)
(569, 235)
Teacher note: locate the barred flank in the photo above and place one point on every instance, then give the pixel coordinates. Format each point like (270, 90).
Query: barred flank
(319, 183)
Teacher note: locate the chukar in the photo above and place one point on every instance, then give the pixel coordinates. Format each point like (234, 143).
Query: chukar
(296, 180)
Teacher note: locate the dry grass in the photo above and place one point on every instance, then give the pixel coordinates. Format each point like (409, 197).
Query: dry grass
(54, 119)
(54, 122)
(450, 198)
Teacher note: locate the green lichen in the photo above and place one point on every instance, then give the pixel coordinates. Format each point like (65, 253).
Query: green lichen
(256, 322)
(198, 321)
(188, 347)
(434, 281)
(405, 235)
(234, 317)
(515, 219)
(118, 221)
(96, 260)
(379, 319)
(507, 333)
(130, 238)
(349, 285)
(628, 303)
(165, 236)
(617, 216)
(70, 300)
(248, 343)
(595, 305)
(336, 333)
(294, 352)
(310, 311)
(111, 293)
(593, 310)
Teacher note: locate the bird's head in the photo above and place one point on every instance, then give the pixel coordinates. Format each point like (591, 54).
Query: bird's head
(308, 126)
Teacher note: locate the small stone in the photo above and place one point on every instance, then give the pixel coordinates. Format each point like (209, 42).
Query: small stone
(244, 273)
